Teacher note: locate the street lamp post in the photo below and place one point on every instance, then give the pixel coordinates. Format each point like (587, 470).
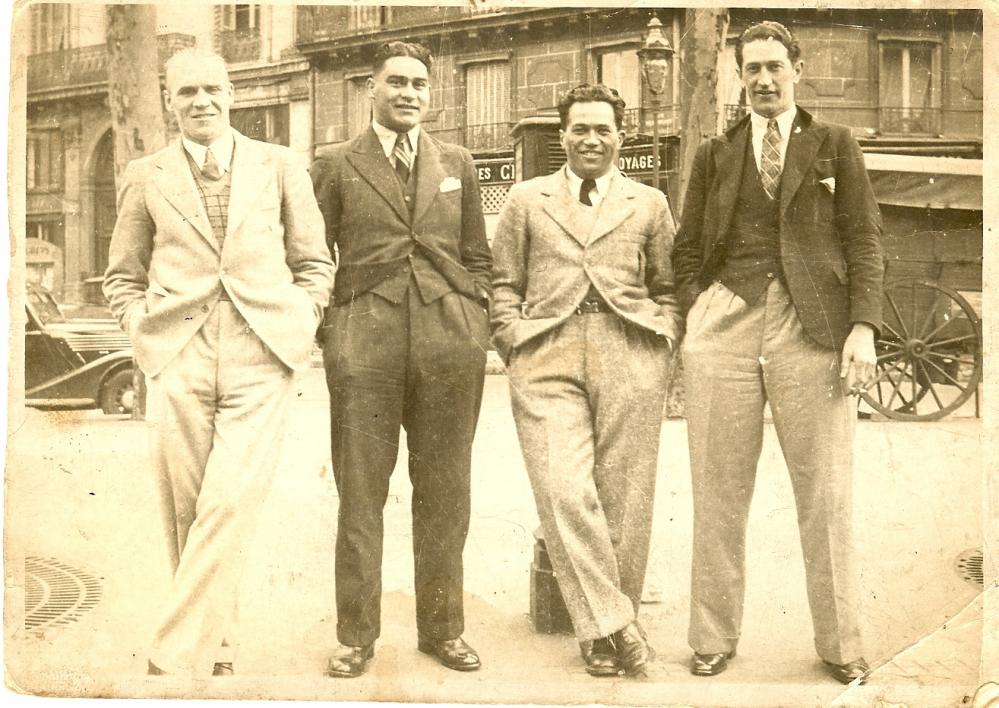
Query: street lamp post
(654, 57)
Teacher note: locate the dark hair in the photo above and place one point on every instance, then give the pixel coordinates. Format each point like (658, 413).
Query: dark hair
(765, 31)
(401, 49)
(586, 93)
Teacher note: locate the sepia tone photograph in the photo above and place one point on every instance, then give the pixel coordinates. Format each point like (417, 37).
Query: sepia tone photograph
(501, 353)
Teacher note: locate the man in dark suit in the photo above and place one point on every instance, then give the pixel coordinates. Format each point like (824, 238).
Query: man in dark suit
(404, 344)
(219, 273)
(779, 260)
(586, 315)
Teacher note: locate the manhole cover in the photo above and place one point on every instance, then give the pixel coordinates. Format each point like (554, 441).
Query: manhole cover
(56, 593)
(969, 566)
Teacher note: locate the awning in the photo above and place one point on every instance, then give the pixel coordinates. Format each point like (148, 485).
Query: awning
(925, 182)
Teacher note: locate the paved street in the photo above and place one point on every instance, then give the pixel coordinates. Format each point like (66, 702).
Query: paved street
(80, 502)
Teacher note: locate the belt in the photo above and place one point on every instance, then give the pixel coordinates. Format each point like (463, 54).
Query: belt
(592, 307)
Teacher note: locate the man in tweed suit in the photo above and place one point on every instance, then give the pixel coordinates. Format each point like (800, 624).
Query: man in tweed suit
(218, 271)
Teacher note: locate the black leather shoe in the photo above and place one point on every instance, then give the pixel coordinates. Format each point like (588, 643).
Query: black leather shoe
(153, 670)
(349, 662)
(600, 657)
(452, 653)
(710, 664)
(849, 672)
(633, 651)
(223, 668)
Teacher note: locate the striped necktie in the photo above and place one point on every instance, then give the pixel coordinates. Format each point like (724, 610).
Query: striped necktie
(403, 157)
(770, 159)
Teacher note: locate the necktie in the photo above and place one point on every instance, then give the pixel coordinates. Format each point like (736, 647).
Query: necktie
(585, 188)
(211, 170)
(770, 159)
(403, 157)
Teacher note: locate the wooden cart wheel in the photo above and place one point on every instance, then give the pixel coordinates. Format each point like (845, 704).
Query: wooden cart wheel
(929, 352)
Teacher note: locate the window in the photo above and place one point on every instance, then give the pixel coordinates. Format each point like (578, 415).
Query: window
(487, 105)
(50, 27)
(729, 92)
(619, 69)
(45, 160)
(358, 106)
(909, 81)
(46, 228)
(240, 17)
(366, 17)
(267, 123)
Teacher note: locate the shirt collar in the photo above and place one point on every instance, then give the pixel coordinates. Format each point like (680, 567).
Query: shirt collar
(387, 137)
(222, 148)
(603, 182)
(784, 122)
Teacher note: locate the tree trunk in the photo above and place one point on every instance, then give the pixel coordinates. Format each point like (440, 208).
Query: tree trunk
(701, 47)
(136, 108)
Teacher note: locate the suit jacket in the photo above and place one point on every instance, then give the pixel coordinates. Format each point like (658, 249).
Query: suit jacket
(830, 225)
(546, 259)
(166, 270)
(370, 227)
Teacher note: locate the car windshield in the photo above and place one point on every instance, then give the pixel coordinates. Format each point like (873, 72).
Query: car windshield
(45, 306)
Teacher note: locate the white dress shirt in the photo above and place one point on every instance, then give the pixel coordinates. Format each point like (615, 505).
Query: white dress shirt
(598, 193)
(387, 137)
(221, 147)
(784, 122)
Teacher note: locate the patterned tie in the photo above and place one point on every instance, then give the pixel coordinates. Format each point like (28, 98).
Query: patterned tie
(211, 170)
(403, 157)
(585, 188)
(770, 159)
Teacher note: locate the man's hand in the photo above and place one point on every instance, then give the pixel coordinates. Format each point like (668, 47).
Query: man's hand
(859, 358)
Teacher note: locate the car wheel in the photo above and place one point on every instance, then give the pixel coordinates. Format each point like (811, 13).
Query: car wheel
(117, 393)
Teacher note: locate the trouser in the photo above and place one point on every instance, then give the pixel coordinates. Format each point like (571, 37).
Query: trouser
(219, 410)
(736, 358)
(420, 366)
(588, 402)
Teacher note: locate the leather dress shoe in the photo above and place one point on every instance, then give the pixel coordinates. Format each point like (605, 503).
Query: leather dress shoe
(600, 657)
(633, 651)
(849, 672)
(153, 670)
(710, 664)
(223, 668)
(452, 653)
(349, 662)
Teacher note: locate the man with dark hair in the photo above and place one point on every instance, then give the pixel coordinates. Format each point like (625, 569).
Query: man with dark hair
(219, 273)
(779, 263)
(585, 316)
(404, 344)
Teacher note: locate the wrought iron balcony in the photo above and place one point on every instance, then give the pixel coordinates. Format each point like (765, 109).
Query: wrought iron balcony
(240, 45)
(918, 121)
(315, 23)
(640, 120)
(87, 66)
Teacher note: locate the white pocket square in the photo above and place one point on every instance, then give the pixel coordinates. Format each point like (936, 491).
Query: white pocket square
(829, 183)
(450, 184)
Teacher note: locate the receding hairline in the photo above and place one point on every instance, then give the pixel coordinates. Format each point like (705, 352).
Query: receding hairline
(195, 56)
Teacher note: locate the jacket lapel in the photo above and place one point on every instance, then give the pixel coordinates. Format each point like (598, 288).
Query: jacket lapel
(429, 175)
(614, 208)
(729, 163)
(175, 182)
(803, 145)
(375, 169)
(250, 172)
(561, 206)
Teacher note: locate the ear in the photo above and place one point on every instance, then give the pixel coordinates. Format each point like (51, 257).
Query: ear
(620, 138)
(166, 100)
(799, 67)
(370, 83)
(232, 92)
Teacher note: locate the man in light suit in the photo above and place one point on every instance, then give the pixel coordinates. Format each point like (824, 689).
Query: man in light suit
(218, 271)
(584, 313)
(404, 344)
(779, 261)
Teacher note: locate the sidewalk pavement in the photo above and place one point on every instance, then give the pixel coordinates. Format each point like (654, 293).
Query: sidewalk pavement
(79, 494)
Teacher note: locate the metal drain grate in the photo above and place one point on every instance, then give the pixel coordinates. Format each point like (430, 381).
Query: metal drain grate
(56, 594)
(969, 566)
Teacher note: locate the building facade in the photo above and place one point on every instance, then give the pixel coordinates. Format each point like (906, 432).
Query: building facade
(907, 82)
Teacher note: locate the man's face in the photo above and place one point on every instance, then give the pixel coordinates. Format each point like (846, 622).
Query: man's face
(400, 93)
(769, 76)
(200, 95)
(591, 139)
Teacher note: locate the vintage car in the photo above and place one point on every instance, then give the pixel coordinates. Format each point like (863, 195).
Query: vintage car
(74, 363)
